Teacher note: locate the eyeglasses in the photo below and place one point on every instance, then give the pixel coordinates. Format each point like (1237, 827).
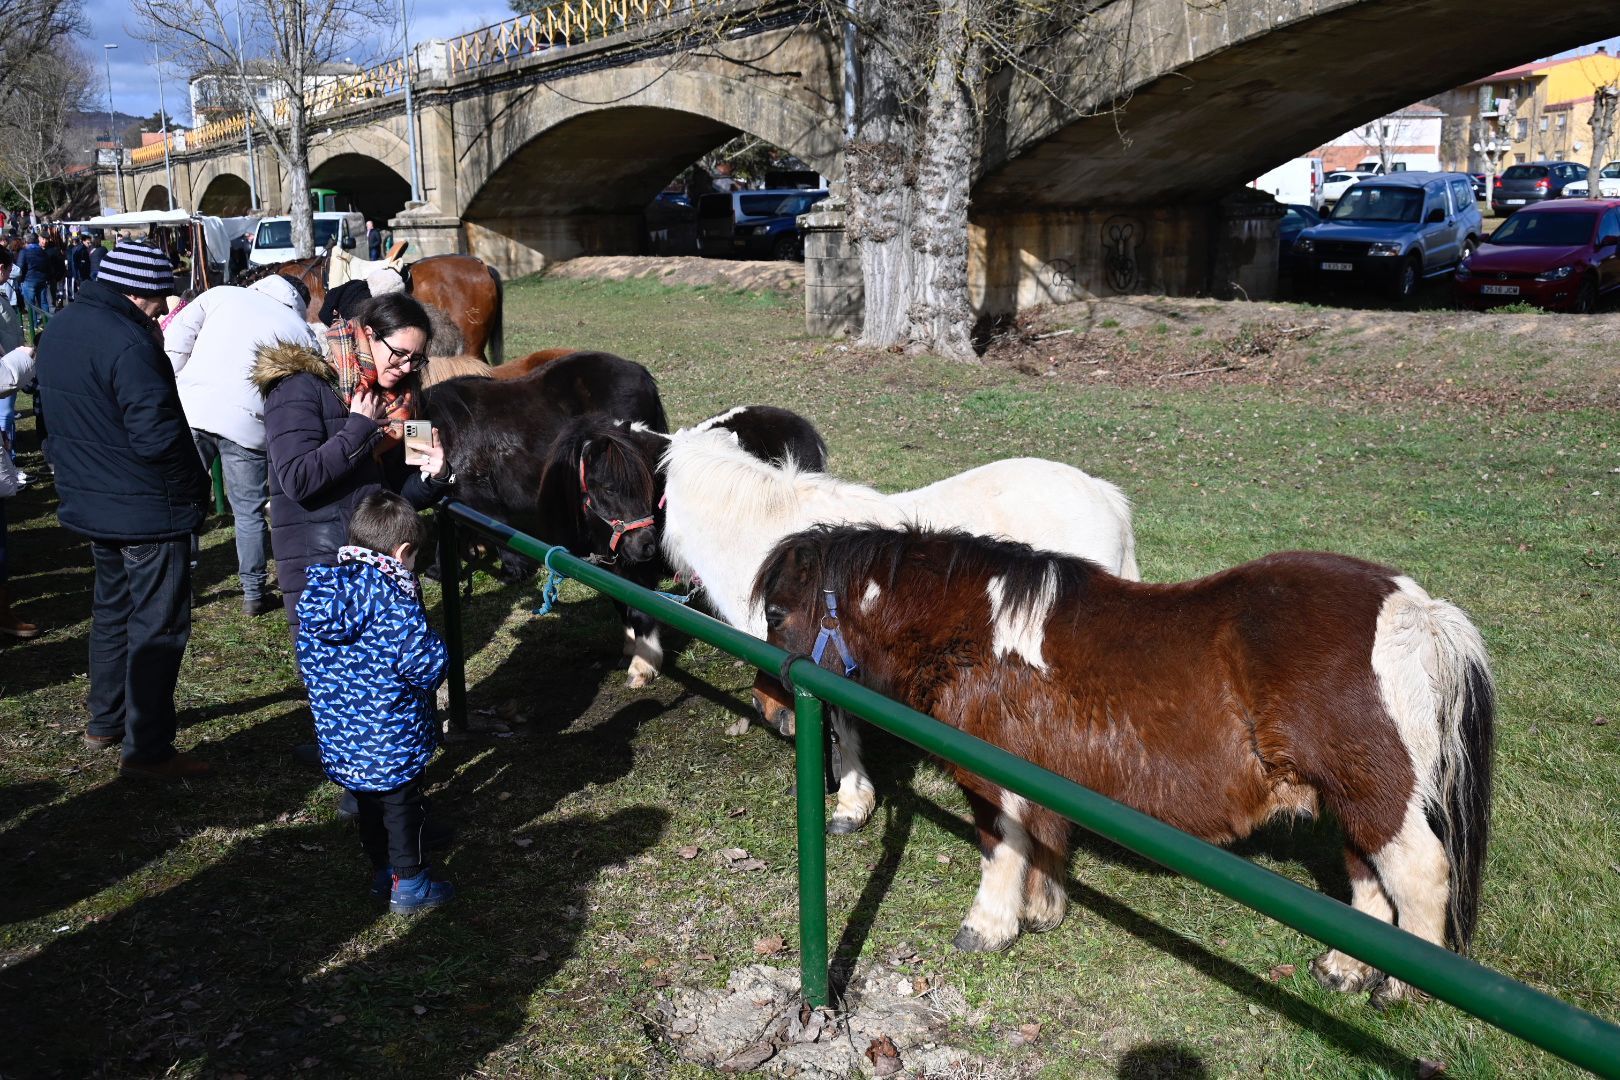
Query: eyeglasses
(405, 356)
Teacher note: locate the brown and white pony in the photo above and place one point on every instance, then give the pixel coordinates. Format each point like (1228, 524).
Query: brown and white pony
(1302, 682)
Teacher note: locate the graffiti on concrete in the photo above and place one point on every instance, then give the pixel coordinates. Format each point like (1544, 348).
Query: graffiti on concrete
(1121, 239)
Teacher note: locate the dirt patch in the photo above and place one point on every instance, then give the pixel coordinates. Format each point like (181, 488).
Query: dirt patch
(784, 277)
(890, 1024)
(1489, 360)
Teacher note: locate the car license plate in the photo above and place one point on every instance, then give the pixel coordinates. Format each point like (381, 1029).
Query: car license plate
(1338, 266)
(1499, 290)
(1512, 202)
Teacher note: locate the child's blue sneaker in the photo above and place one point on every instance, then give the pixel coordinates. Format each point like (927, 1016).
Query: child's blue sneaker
(382, 883)
(419, 893)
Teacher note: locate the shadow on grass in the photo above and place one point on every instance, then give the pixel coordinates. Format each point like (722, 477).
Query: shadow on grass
(269, 960)
(73, 849)
(1348, 1038)
(1161, 1061)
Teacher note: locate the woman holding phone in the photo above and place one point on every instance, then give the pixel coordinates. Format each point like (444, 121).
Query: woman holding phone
(334, 428)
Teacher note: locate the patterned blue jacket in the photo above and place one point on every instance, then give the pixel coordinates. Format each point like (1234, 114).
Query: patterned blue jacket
(371, 663)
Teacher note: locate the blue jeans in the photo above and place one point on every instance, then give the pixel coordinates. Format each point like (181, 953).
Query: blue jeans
(139, 625)
(8, 422)
(247, 487)
(37, 296)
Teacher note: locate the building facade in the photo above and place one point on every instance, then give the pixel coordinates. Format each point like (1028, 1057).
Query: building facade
(1543, 111)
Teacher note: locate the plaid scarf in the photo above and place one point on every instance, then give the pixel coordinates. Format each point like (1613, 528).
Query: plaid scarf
(357, 371)
(391, 568)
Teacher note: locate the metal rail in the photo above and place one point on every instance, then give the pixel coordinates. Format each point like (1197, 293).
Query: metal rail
(1570, 1033)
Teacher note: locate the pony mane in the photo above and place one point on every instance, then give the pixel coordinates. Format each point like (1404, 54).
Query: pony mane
(713, 471)
(614, 451)
(442, 368)
(845, 557)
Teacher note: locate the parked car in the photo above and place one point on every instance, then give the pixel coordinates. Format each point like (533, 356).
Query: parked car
(754, 224)
(1531, 182)
(1336, 184)
(1296, 218)
(1400, 163)
(1562, 256)
(1392, 232)
(1608, 184)
(272, 242)
(1480, 190)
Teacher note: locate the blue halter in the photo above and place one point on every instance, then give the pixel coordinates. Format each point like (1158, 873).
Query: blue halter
(830, 632)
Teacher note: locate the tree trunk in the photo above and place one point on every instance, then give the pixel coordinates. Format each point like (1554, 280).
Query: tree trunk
(1604, 100)
(296, 162)
(881, 167)
(941, 317)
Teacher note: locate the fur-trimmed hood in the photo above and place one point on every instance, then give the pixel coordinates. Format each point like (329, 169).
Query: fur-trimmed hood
(284, 358)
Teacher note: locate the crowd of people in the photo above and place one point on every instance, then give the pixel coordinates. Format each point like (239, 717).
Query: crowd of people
(136, 396)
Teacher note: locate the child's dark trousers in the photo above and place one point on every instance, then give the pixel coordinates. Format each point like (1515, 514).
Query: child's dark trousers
(391, 828)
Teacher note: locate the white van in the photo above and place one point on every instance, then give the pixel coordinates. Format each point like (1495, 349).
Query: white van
(333, 228)
(1402, 163)
(1298, 182)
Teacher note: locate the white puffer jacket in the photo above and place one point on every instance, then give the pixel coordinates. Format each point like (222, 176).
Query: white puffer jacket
(213, 343)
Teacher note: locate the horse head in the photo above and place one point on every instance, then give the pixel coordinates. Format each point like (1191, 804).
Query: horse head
(790, 590)
(605, 470)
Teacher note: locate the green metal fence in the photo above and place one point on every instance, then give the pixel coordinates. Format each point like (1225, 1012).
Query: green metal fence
(1570, 1033)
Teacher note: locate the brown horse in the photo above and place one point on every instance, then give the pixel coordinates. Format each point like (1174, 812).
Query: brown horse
(1299, 683)
(470, 290)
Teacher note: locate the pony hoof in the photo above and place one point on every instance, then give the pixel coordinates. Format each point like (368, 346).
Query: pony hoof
(839, 826)
(970, 940)
(1392, 992)
(1330, 974)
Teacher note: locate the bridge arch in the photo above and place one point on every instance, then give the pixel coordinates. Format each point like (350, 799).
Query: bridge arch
(376, 188)
(223, 194)
(156, 198)
(564, 177)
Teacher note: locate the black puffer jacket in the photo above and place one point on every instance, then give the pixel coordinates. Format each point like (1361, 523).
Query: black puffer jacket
(126, 468)
(322, 461)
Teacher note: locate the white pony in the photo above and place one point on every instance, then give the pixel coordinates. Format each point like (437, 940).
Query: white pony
(726, 509)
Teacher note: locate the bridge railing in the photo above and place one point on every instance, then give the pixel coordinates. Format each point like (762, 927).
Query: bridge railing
(1568, 1032)
(564, 22)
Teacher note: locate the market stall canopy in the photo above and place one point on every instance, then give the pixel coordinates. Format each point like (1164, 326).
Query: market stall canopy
(136, 220)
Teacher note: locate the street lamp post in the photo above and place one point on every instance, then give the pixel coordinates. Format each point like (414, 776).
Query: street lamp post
(247, 117)
(163, 118)
(112, 136)
(410, 107)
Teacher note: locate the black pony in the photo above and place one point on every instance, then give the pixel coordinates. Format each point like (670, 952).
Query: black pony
(543, 453)
(773, 434)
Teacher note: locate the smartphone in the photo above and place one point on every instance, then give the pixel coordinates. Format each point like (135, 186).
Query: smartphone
(418, 441)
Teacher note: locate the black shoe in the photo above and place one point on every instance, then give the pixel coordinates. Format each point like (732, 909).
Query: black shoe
(254, 606)
(307, 754)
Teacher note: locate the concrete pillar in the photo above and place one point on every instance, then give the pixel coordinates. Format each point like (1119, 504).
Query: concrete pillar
(1245, 250)
(436, 150)
(429, 233)
(833, 291)
(526, 245)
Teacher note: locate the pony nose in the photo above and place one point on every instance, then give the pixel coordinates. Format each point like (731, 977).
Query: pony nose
(639, 546)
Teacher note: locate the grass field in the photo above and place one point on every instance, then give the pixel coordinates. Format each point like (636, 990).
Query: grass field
(222, 929)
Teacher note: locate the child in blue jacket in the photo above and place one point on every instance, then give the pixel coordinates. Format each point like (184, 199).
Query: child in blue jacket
(372, 665)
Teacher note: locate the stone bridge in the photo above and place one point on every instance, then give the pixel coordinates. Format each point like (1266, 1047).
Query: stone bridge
(1168, 105)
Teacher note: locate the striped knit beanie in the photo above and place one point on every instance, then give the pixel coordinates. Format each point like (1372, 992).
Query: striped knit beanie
(136, 270)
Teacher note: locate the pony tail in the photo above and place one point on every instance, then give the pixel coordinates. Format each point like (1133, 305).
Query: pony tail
(1466, 698)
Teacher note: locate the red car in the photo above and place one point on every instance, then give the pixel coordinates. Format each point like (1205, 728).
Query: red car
(1562, 256)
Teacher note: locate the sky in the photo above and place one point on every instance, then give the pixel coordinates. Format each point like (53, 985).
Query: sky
(135, 79)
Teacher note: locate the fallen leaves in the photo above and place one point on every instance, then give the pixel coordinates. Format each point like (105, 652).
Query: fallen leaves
(769, 946)
(689, 852)
(884, 1056)
(1026, 1034)
(1427, 1069)
(1280, 972)
(740, 861)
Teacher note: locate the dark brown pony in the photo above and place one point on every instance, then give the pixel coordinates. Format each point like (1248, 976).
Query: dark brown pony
(1299, 683)
(519, 368)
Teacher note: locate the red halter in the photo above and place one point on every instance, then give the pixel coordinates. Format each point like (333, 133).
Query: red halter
(619, 526)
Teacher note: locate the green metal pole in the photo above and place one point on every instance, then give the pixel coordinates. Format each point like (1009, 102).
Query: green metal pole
(450, 592)
(218, 471)
(809, 755)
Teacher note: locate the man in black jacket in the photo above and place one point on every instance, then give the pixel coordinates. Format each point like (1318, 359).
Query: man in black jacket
(130, 481)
